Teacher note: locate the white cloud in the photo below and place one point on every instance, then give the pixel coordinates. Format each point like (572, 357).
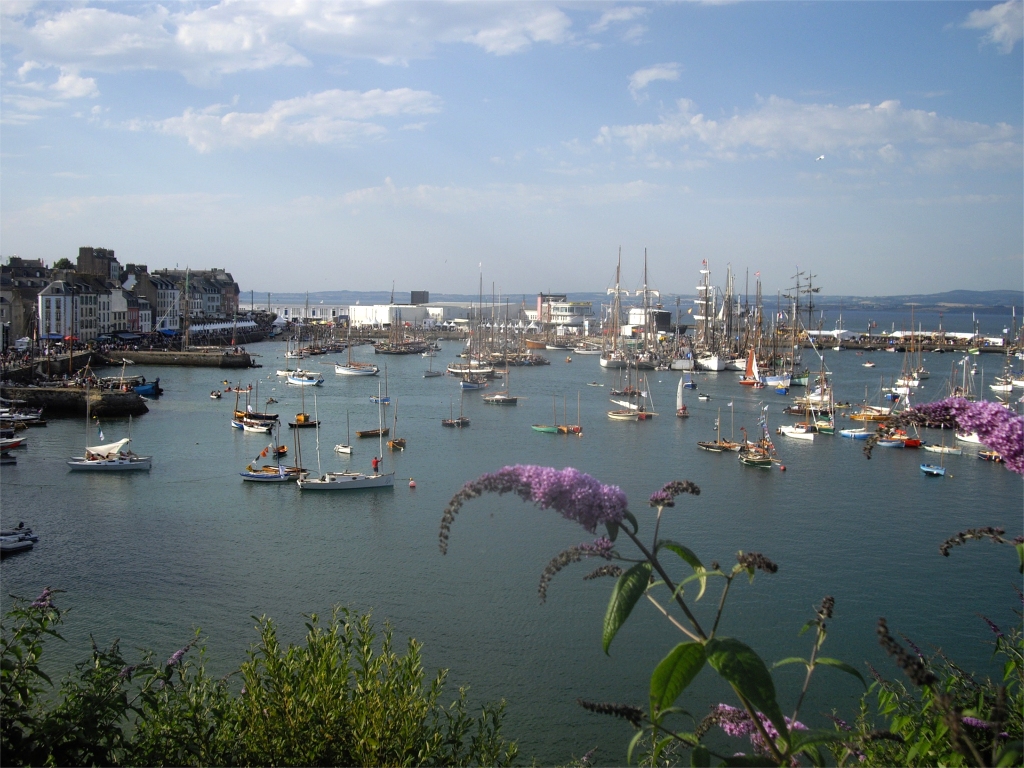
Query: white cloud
(233, 36)
(777, 127)
(70, 85)
(618, 16)
(518, 31)
(640, 79)
(1004, 24)
(328, 117)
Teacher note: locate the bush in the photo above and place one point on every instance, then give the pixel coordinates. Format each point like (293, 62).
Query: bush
(344, 697)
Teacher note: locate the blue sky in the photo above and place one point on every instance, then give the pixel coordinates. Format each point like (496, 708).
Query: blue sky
(345, 145)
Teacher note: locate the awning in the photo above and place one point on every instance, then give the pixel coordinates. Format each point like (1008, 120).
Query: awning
(125, 336)
(168, 332)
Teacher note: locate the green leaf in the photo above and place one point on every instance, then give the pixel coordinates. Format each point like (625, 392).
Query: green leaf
(687, 554)
(613, 529)
(700, 757)
(1020, 554)
(790, 660)
(632, 745)
(628, 589)
(1010, 754)
(675, 672)
(737, 663)
(843, 666)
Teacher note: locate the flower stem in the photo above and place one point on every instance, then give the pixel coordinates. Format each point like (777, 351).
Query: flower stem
(653, 560)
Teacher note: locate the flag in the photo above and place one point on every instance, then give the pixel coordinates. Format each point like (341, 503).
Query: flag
(263, 453)
(101, 431)
(757, 274)
(729, 405)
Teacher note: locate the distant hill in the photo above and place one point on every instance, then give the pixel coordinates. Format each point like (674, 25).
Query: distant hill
(950, 301)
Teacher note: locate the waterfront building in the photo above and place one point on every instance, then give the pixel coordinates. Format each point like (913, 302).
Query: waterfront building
(556, 309)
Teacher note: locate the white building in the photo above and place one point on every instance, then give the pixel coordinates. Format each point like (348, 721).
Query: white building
(166, 314)
(379, 315)
(57, 311)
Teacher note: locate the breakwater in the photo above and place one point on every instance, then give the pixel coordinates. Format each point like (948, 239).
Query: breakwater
(71, 401)
(194, 358)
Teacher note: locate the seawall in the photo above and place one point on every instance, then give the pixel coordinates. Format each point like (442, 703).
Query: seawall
(198, 359)
(70, 401)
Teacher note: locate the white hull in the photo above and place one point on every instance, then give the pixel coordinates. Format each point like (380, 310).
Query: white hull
(613, 362)
(969, 438)
(796, 432)
(120, 464)
(342, 448)
(347, 481)
(943, 449)
(306, 380)
(710, 363)
(681, 364)
(356, 370)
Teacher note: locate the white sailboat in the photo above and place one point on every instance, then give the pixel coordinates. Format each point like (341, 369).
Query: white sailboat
(111, 457)
(681, 411)
(350, 481)
(346, 447)
(354, 369)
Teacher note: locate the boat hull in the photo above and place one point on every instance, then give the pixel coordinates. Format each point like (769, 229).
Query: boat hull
(347, 481)
(134, 464)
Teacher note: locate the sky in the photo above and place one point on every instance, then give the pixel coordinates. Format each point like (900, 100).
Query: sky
(354, 145)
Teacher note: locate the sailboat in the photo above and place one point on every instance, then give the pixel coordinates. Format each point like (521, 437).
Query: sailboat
(552, 428)
(302, 419)
(681, 411)
(567, 428)
(638, 411)
(354, 369)
(931, 470)
(111, 457)
(451, 421)
(396, 443)
(350, 481)
(430, 373)
(345, 447)
(762, 453)
(615, 357)
(379, 398)
(270, 473)
(718, 445)
(502, 396)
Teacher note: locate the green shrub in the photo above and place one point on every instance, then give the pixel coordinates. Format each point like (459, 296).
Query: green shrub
(344, 697)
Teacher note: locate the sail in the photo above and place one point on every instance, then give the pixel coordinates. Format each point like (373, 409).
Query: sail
(751, 365)
(679, 395)
(108, 450)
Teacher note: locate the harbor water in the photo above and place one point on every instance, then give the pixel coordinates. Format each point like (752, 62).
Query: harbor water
(147, 557)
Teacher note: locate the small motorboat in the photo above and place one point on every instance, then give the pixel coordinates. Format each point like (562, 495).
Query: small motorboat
(215, 395)
(991, 456)
(703, 396)
(594, 384)
(20, 530)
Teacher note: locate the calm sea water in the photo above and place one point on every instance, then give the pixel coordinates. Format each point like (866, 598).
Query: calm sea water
(147, 558)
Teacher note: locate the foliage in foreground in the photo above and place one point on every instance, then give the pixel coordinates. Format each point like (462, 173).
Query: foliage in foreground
(954, 720)
(344, 697)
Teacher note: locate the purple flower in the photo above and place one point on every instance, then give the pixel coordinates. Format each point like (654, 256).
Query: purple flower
(177, 656)
(43, 601)
(976, 723)
(993, 626)
(997, 427)
(602, 547)
(736, 722)
(666, 496)
(573, 494)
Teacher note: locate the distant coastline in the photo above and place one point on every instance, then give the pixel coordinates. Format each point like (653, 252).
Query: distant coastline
(953, 302)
